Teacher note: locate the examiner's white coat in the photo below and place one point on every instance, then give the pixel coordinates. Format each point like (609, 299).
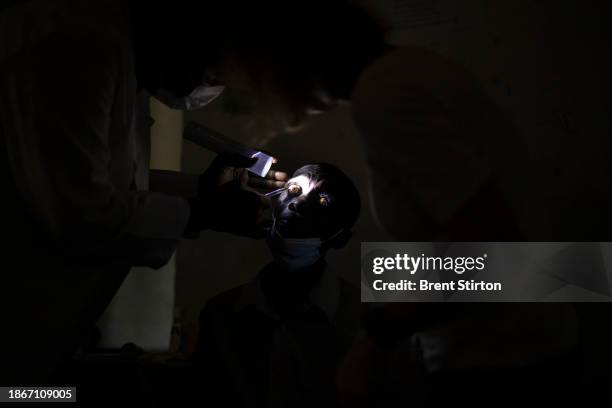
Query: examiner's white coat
(74, 149)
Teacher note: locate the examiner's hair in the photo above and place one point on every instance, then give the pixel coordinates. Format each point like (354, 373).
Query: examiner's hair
(347, 193)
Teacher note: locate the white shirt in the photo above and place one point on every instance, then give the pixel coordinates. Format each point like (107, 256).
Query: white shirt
(74, 142)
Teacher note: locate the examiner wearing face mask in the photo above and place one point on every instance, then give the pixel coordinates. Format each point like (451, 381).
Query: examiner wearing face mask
(277, 340)
(81, 207)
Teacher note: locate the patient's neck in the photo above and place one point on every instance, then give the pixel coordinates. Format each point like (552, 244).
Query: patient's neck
(287, 290)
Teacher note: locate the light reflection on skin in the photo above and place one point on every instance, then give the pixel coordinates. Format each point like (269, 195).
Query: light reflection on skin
(302, 186)
(304, 182)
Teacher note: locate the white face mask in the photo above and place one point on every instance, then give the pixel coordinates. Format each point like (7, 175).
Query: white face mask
(199, 97)
(295, 253)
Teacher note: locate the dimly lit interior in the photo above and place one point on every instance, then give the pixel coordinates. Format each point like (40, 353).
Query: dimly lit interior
(332, 203)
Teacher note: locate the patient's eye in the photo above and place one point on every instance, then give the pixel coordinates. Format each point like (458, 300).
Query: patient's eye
(323, 200)
(294, 189)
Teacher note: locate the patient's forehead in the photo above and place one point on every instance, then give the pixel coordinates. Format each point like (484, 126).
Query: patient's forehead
(308, 183)
(325, 179)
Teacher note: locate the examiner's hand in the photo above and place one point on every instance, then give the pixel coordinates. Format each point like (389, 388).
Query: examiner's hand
(223, 169)
(227, 168)
(231, 208)
(226, 201)
(273, 180)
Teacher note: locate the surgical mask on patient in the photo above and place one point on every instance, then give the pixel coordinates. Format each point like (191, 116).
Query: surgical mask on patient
(295, 253)
(199, 97)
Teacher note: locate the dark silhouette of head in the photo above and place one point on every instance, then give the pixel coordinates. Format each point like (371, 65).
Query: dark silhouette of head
(309, 54)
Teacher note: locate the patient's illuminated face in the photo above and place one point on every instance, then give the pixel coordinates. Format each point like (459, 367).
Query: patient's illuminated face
(310, 206)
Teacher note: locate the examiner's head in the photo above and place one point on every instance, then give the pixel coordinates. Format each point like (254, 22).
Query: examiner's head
(307, 56)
